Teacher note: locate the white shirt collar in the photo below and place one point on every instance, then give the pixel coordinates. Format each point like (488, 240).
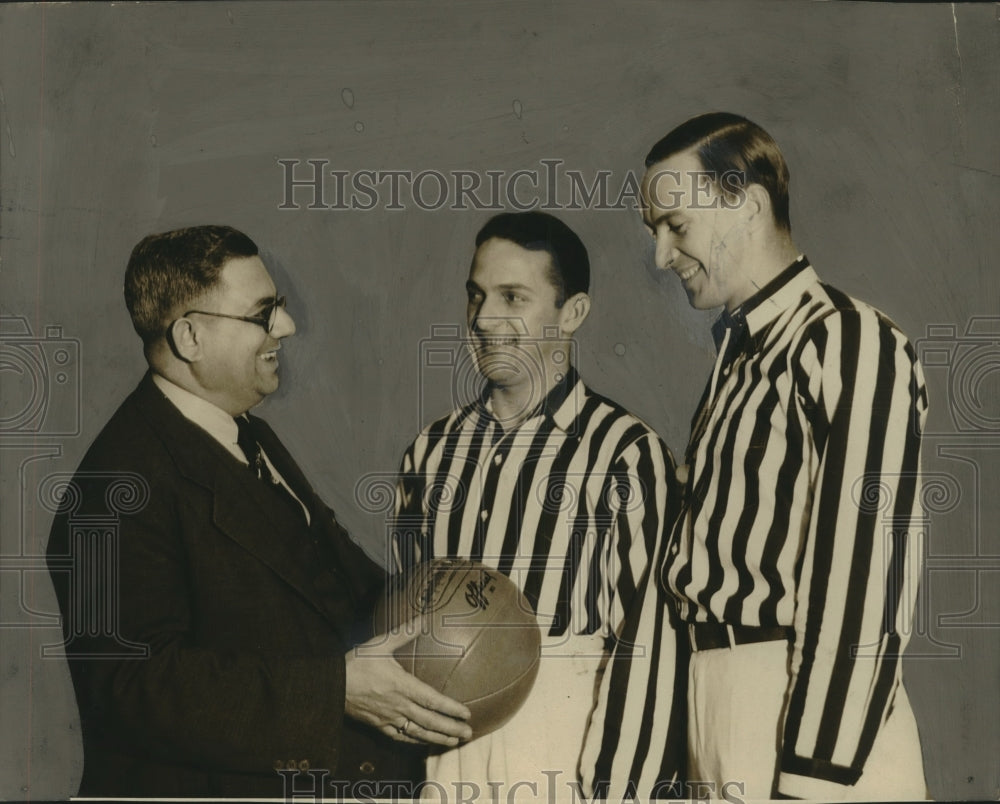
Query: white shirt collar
(210, 418)
(218, 424)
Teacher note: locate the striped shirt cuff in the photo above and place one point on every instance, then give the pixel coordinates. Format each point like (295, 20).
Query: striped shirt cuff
(794, 785)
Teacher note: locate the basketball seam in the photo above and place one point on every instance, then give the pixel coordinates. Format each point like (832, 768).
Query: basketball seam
(467, 649)
(532, 667)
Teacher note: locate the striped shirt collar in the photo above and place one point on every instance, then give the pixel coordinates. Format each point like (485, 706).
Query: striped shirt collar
(767, 303)
(561, 405)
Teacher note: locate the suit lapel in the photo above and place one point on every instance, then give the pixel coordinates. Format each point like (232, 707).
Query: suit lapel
(242, 509)
(285, 464)
(355, 571)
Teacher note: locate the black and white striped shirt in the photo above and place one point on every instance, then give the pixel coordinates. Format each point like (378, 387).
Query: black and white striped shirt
(572, 505)
(802, 508)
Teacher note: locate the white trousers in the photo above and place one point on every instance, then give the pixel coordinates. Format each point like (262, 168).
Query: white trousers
(736, 701)
(536, 754)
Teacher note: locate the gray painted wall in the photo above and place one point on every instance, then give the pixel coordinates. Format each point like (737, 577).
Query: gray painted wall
(116, 121)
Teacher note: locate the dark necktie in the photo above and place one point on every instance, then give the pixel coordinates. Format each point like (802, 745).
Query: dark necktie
(246, 441)
(736, 324)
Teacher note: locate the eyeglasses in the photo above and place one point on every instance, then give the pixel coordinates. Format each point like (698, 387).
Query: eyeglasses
(268, 315)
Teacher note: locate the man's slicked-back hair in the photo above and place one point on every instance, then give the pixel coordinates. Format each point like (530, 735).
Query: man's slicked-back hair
(168, 270)
(569, 262)
(728, 143)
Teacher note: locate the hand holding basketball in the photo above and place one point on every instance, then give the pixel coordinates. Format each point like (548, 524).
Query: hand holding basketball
(474, 636)
(381, 693)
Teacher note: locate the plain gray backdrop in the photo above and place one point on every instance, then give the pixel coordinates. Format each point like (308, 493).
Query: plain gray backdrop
(121, 120)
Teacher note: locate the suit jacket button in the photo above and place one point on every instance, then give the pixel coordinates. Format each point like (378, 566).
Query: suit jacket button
(304, 765)
(367, 768)
(279, 765)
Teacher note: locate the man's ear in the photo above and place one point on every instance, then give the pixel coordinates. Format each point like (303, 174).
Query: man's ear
(573, 313)
(185, 340)
(757, 204)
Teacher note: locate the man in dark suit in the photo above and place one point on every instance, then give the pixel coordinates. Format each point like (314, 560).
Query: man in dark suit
(210, 600)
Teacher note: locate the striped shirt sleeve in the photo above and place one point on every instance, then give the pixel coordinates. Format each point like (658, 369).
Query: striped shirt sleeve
(406, 532)
(634, 743)
(862, 401)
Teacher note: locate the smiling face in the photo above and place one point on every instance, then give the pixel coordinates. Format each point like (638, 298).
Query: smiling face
(514, 324)
(698, 232)
(238, 364)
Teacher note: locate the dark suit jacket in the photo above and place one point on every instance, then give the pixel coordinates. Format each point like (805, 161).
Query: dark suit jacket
(177, 551)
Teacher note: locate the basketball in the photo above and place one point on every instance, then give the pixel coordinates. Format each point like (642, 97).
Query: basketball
(478, 643)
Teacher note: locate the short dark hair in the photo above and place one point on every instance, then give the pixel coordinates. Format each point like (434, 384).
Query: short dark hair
(726, 143)
(569, 270)
(170, 269)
